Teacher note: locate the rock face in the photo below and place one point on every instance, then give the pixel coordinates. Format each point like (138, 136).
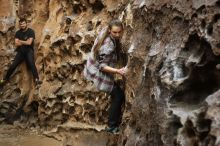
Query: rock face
(172, 96)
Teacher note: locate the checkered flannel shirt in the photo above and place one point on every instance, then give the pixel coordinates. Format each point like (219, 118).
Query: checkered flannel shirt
(106, 57)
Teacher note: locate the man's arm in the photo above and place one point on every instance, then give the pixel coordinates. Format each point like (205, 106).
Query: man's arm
(17, 42)
(27, 42)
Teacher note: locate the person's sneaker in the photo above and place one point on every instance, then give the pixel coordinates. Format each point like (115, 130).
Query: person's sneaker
(113, 130)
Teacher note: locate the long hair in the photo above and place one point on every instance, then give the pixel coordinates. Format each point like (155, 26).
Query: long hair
(98, 45)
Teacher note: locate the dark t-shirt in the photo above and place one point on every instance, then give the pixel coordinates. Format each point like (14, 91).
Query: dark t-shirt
(25, 35)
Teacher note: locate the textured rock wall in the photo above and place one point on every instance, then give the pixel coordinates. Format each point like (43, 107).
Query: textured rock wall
(172, 48)
(176, 45)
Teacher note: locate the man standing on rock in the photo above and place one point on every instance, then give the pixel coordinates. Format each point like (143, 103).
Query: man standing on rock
(24, 42)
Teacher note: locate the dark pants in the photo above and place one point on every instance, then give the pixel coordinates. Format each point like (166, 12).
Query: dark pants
(117, 99)
(28, 57)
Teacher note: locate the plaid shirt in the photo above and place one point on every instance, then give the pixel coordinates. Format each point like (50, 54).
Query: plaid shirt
(106, 57)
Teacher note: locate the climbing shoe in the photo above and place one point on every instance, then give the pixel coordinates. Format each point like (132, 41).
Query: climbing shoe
(113, 130)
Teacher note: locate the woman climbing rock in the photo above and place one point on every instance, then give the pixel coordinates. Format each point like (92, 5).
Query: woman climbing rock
(100, 69)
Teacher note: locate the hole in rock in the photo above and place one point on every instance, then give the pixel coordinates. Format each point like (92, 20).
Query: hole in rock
(210, 29)
(138, 130)
(203, 23)
(217, 3)
(68, 21)
(203, 126)
(97, 6)
(204, 78)
(189, 129)
(201, 9)
(89, 26)
(98, 23)
(218, 45)
(124, 141)
(216, 17)
(78, 8)
(177, 19)
(202, 83)
(34, 106)
(194, 15)
(85, 47)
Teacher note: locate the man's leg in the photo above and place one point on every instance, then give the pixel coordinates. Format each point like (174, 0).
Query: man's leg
(115, 112)
(17, 60)
(29, 58)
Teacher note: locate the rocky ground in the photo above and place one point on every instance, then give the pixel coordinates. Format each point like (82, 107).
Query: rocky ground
(74, 134)
(14, 136)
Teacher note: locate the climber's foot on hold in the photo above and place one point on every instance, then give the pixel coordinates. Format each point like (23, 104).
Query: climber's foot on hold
(113, 130)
